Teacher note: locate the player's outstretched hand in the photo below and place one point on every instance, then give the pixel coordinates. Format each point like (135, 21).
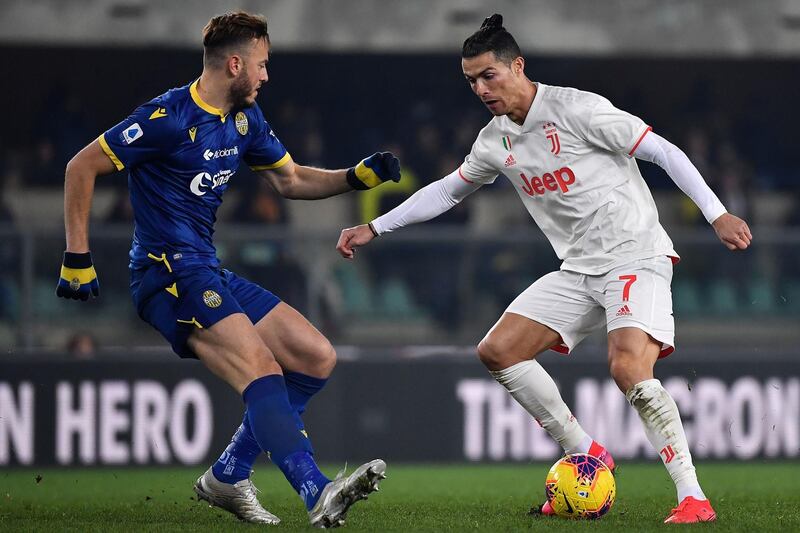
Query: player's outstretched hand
(78, 279)
(733, 232)
(374, 170)
(352, 238)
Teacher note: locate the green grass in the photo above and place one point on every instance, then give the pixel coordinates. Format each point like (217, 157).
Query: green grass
(747, 497)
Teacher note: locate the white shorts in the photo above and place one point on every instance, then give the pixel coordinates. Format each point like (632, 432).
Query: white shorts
(636, 295)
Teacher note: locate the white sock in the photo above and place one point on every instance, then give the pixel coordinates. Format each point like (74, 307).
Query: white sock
(664, 430)
(533, 388)
(583, 446)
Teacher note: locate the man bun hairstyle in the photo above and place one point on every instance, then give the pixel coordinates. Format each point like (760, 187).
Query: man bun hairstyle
(492, 37)
(493, 22)
(230, 32)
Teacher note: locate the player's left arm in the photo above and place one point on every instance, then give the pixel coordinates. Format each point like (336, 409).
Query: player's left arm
(266, 155)
(731, 230)
(300, 182)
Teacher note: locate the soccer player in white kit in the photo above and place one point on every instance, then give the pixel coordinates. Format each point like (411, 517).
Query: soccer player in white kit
(569, 155)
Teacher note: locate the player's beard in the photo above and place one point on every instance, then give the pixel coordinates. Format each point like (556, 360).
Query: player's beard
(240, 91)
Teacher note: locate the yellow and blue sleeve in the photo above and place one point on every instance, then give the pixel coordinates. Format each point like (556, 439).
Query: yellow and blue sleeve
(109, 152)
(265, 151)
(144, 135)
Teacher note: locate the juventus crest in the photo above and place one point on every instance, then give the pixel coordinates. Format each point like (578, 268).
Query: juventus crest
(551, 132)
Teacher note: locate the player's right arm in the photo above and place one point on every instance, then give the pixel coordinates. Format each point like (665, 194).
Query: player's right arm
(78, 279)
(425, 204)
(144, 135)
(430, 201)
(82, 170)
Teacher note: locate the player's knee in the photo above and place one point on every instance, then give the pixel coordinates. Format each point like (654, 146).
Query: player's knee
(258, 361)
(492, 353)
(625, 370)
(324, 359)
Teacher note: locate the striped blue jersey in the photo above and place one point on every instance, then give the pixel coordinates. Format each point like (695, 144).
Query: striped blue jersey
(181, 154)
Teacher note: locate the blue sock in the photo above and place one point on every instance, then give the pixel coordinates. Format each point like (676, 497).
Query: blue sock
(237, 460)
(301, 388)
(303, 474)
(272, 420)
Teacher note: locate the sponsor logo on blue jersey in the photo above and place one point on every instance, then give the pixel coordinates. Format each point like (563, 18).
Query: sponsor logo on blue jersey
(222, 152)
(131, 133)
(202, 182)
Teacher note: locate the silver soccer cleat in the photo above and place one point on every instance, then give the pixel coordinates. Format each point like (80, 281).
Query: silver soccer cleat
(238, 498)
(342, 492)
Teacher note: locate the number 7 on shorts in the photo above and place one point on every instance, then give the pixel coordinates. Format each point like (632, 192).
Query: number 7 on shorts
(626, 290)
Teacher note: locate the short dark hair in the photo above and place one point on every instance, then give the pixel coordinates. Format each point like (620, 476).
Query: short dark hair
(492, 37)
(229, 31)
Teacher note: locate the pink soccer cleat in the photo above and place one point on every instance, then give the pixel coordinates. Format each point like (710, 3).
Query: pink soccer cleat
(597, 450)
(691, 510)
(546, 509)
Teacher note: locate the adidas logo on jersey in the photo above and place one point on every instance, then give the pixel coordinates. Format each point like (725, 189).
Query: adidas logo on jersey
(624, 311)
(510, 161)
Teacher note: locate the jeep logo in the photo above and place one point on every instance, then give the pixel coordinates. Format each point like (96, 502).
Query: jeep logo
(550, 181)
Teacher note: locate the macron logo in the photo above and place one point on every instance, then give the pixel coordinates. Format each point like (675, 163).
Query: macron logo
(224, 152)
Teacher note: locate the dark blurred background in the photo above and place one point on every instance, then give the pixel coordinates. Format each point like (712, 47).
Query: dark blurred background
(447, 279)
(347, 78)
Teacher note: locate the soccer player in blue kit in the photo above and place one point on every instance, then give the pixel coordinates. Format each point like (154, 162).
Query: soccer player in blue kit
(182, 148)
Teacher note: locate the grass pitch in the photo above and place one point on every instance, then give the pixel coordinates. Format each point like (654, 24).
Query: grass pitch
(747, 497)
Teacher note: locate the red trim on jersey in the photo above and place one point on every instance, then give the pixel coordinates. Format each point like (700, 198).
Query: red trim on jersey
(666, 351)
(460, 175)
(675, 260)
(635, 146)
(560, 348)
(564, 349)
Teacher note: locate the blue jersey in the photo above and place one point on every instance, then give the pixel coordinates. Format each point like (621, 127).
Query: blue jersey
(181, 154)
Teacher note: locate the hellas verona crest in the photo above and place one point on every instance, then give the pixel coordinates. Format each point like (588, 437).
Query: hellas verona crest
(241, 123)
(212, 299)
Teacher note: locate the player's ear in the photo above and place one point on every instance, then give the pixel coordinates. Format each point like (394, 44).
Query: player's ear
(518, 65)
(235, 64)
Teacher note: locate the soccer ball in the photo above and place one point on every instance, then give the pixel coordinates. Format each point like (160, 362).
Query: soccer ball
(580, 486)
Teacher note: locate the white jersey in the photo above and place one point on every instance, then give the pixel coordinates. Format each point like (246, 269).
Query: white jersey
(571, 164)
